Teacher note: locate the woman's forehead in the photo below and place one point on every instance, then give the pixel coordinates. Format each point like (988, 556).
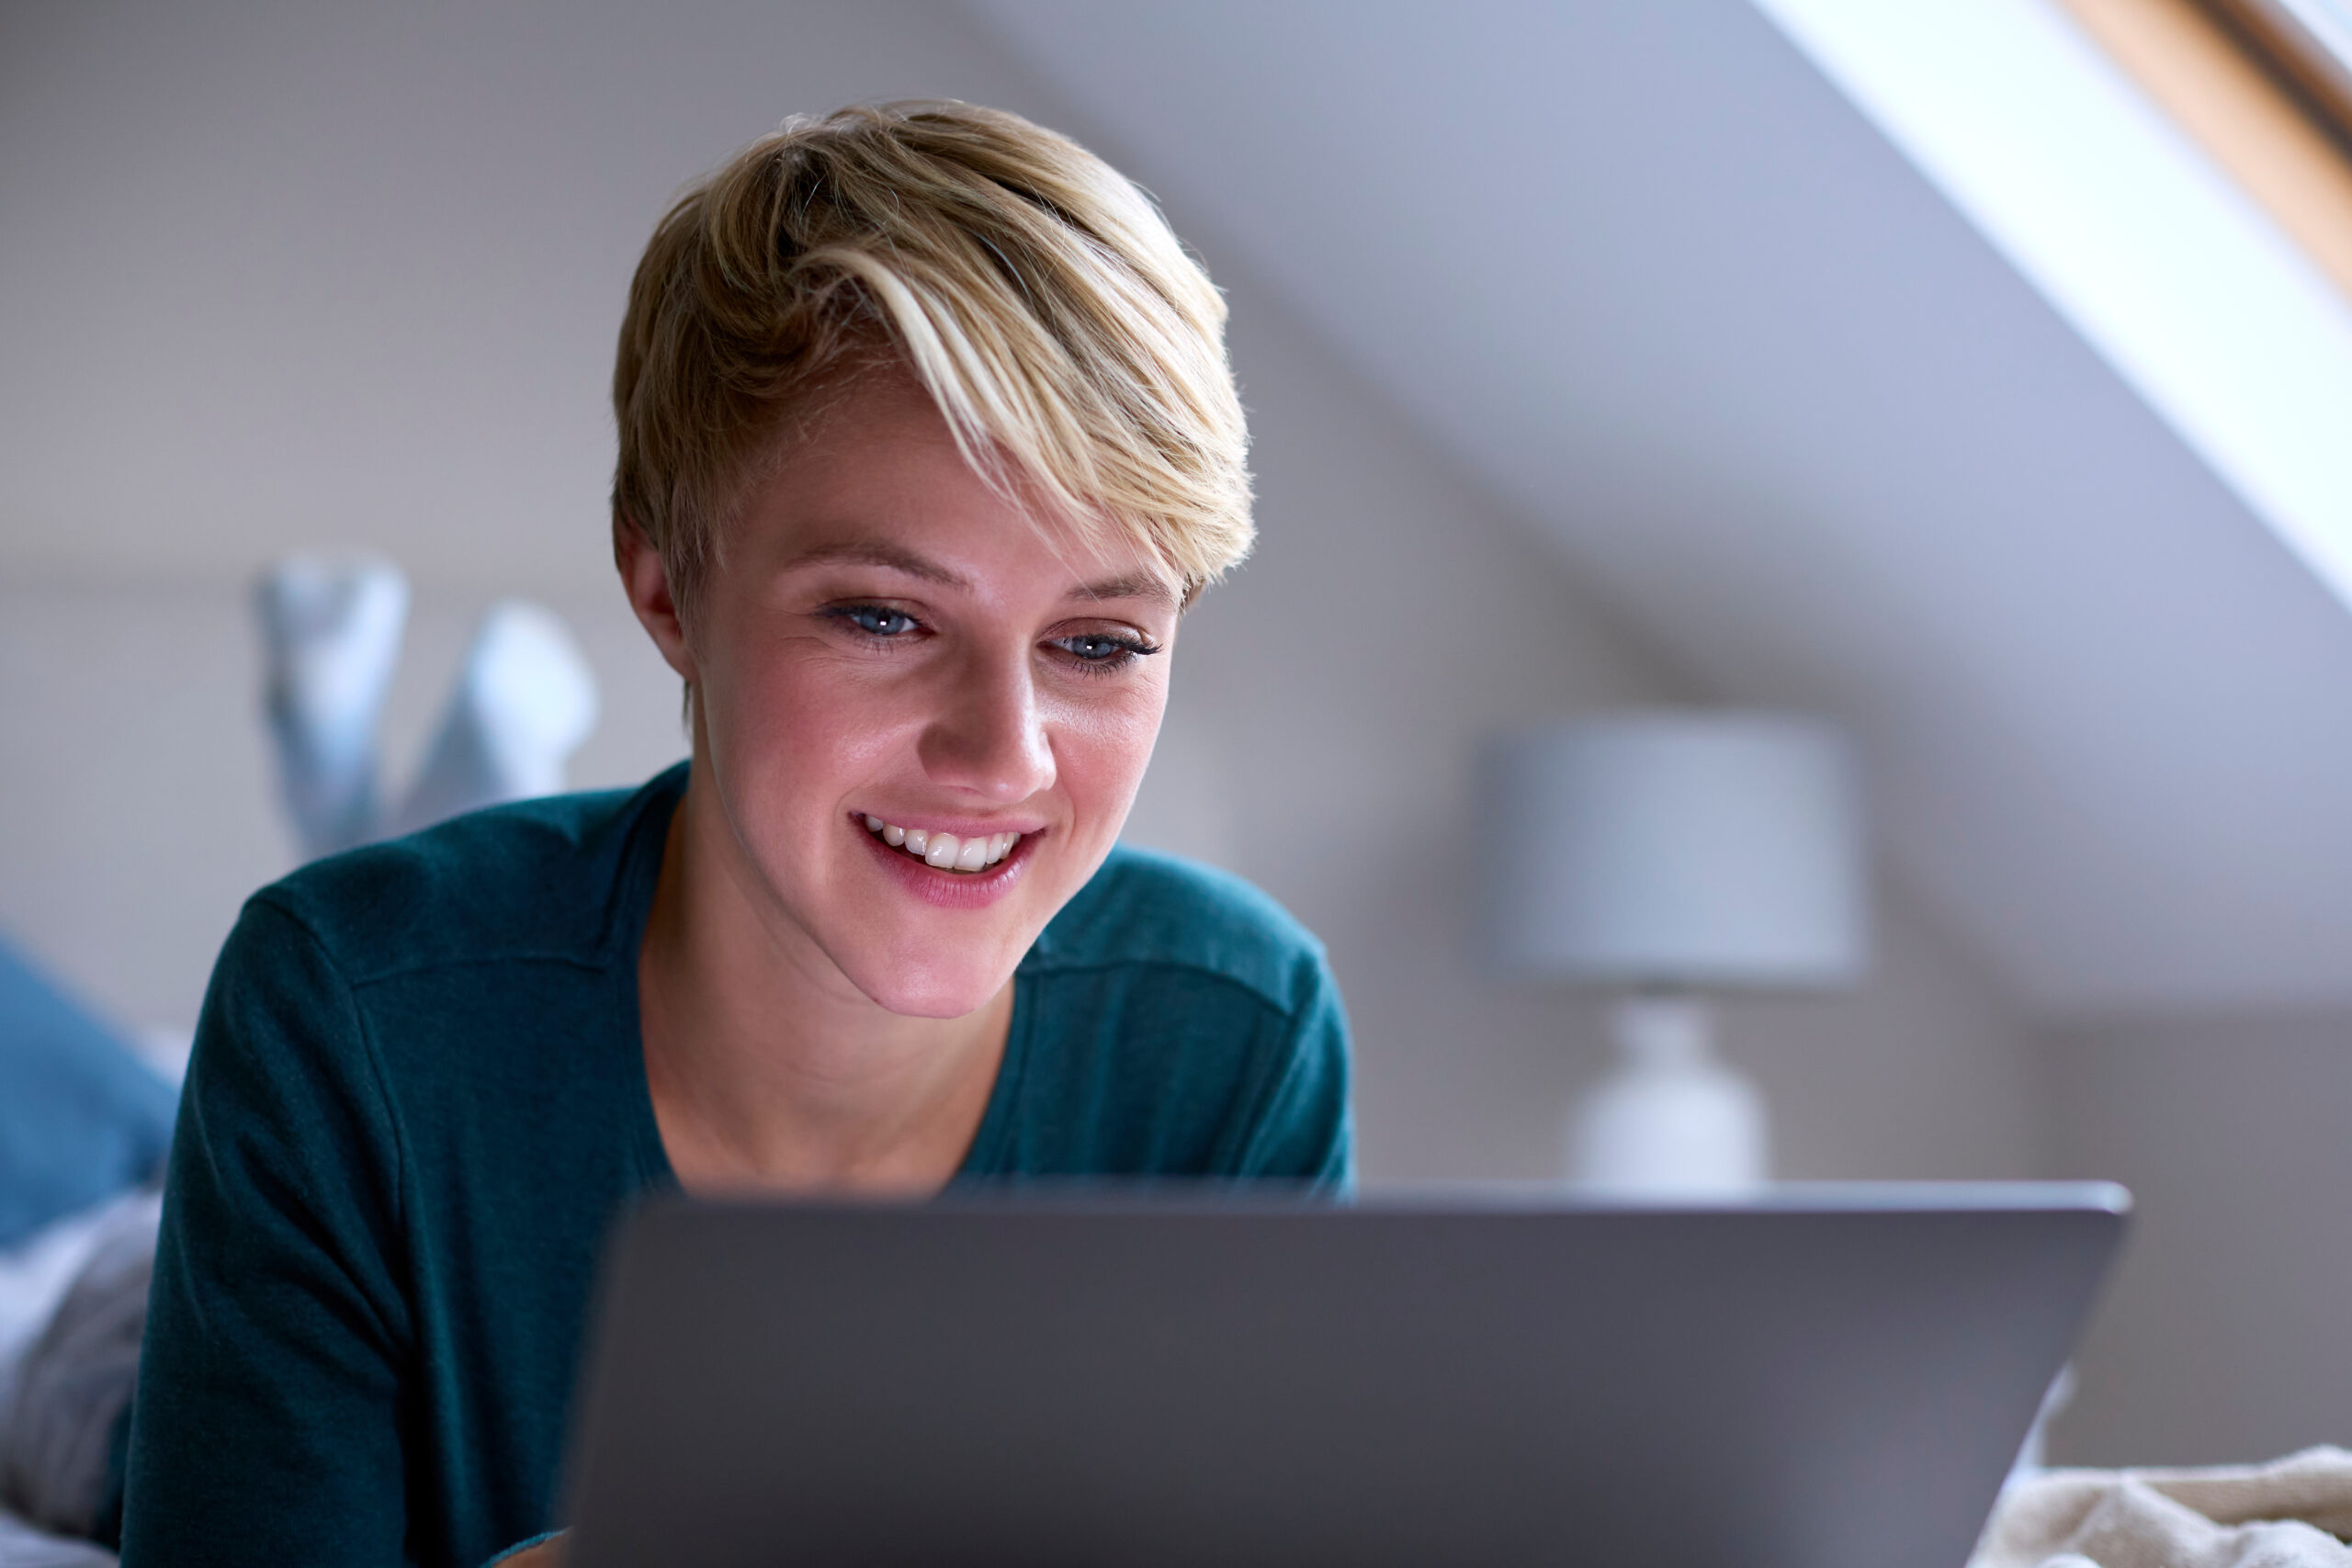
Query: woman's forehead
(879, 480)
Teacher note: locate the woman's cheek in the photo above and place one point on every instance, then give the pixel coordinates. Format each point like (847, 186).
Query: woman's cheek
(796, 691)
(1109, 744)
(801, 736)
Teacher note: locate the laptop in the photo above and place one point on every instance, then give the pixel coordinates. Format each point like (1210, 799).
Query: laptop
(1820, 1377)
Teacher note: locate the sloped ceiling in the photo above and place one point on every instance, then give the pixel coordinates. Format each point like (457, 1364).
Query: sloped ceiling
(1645, 271)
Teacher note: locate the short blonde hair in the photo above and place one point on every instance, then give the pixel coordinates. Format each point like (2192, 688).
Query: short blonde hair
(1073, 345)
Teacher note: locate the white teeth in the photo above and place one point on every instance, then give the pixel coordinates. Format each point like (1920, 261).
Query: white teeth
(945, 850)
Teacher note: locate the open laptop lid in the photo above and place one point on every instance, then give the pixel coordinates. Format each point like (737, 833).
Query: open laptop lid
(1829, 1378)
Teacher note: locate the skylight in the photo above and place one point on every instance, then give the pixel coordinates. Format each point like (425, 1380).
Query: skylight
(2162, 263)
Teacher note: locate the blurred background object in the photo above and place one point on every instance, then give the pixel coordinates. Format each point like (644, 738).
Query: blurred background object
(524, 700)
(1665, 855)
(2308, 42)
(331, 640)
(81, 1116)
(1599, 355)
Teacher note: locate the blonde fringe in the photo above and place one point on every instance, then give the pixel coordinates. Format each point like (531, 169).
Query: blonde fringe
(1075, 349)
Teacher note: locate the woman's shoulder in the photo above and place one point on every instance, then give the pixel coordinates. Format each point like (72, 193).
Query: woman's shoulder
(1146, 908)
(1187, 1025)
(543, 878)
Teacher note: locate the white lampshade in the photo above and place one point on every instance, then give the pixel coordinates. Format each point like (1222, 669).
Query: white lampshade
(1687, 848)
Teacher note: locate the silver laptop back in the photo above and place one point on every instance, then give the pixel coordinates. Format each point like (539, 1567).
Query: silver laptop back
(1824, 1379)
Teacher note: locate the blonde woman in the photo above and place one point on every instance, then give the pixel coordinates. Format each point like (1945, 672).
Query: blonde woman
(927, 438)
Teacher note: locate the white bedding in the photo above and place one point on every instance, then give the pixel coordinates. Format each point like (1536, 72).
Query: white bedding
(21, 1546)
(2287, 1514)
(34, 1275)
(71, 1301)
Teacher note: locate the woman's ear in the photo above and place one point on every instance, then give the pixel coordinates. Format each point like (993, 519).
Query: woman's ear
(646, 579)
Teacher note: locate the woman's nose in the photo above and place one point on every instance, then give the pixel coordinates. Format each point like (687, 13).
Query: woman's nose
(988, 735)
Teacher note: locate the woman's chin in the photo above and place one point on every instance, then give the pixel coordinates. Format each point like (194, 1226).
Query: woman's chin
(934, 1007)
(931, 994)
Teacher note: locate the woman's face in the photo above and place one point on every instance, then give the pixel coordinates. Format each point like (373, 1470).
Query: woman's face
(891, 642)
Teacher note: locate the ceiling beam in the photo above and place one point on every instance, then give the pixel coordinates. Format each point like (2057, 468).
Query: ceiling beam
(2206, 66)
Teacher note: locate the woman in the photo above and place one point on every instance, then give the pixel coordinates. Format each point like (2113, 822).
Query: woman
(926, 440)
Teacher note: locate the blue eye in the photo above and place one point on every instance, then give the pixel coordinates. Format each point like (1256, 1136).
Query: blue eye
(875, 620)
(1101, 653)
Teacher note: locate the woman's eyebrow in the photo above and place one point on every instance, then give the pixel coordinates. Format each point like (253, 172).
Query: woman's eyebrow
(878, 552)
(1142, 585)
(882, 553)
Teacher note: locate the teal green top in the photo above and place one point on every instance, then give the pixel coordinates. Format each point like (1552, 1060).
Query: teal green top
(417, 1102)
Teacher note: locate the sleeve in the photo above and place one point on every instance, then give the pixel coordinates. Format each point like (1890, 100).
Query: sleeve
(267, 1422)
(1303, 1128)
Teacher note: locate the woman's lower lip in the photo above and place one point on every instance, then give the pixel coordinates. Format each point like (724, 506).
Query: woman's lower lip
(950, 889)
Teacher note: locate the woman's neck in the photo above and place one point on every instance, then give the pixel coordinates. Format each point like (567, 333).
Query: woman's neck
(768, 1071)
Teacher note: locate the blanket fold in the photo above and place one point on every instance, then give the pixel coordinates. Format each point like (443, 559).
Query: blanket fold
(2287, 1513)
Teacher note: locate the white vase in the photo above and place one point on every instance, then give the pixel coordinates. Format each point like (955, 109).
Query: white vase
(1671, 1120)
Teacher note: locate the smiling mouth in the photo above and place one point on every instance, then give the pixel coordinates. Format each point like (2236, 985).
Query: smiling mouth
(945, 851)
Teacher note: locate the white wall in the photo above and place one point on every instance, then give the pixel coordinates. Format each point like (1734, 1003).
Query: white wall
(277, 273)
(2223, 1333)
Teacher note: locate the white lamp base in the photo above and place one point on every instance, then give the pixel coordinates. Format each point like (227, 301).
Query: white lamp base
(1671, 1120)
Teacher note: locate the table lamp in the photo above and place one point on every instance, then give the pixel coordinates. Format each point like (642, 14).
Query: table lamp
(1665, 855)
